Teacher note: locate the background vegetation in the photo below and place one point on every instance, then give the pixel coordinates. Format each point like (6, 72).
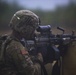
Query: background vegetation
(64, 16)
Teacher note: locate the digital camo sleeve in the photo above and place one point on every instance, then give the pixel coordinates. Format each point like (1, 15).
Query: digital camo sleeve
(21, 59)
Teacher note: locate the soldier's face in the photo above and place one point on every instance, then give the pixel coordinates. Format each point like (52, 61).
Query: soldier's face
(28, 32)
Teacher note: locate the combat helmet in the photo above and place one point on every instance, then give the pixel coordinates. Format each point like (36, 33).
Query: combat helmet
(23, 18)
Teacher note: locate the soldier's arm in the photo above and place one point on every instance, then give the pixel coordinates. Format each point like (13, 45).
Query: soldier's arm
(22, 60)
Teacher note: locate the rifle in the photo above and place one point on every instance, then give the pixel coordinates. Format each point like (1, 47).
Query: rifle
(51, 41)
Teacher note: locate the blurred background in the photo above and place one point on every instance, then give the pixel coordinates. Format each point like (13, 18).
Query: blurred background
(52, 12)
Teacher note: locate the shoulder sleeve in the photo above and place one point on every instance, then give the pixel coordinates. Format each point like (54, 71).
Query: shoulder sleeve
(20, 56)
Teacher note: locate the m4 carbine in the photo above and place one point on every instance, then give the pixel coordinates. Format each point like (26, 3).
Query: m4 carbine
(50, 41)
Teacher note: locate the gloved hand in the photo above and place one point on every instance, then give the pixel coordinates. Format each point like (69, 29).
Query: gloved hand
(40, 57)
(37, 58)
(47, 54)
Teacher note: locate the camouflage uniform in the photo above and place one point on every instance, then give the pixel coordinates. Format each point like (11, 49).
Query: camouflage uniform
(18, 60)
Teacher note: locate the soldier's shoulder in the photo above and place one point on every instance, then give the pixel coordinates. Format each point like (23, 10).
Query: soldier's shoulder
(15, 43)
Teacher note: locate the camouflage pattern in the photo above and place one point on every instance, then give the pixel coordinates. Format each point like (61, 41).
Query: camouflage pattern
(18, 61)
(23, 19)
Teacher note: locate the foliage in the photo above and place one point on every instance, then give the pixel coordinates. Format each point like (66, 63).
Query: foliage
(63, 16)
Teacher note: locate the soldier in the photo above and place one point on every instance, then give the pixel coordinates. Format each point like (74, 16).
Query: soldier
(17, 59)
